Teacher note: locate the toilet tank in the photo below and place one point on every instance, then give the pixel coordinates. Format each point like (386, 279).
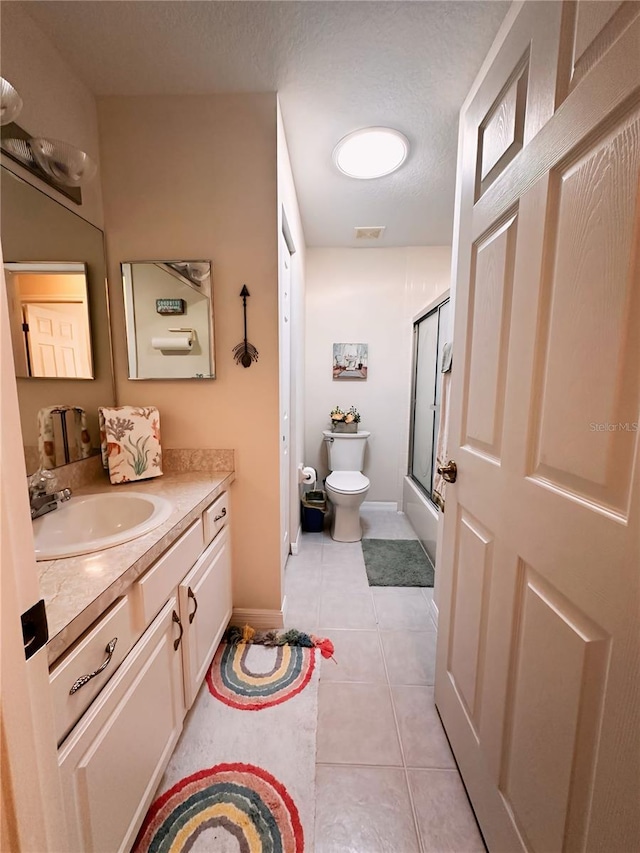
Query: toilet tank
(345, 450)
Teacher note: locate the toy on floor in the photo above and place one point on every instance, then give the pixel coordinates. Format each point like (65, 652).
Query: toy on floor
(239, 636)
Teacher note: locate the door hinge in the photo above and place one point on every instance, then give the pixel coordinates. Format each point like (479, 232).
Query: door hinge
(35, 631)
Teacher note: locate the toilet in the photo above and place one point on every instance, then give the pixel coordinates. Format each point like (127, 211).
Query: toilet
(346, 485)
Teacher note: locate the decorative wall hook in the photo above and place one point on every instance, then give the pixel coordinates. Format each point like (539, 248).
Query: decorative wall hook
(244, 353)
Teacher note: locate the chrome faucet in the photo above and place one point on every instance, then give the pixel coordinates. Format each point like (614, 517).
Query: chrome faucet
(40, 499)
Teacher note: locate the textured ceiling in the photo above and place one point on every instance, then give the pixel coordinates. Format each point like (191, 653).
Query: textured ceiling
(337, 66)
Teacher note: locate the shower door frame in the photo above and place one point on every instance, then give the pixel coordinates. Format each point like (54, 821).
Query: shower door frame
(434, 307)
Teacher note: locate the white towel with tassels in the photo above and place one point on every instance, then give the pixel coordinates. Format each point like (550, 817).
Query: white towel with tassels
(130, 442)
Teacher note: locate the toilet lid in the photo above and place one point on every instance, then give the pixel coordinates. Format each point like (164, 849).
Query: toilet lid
(347, 482)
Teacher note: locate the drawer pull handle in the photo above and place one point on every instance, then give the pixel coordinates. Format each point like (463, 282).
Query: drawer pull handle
(222, 514)
(80, 682)
(176, 619)
(191, 594)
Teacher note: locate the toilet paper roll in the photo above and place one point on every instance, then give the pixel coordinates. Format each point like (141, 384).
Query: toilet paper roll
(309, 475)
(180, 343)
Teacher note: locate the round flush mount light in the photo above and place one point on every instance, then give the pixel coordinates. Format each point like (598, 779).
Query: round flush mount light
(371, 152)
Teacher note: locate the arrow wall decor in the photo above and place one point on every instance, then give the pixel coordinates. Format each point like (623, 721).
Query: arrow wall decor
(244, 353)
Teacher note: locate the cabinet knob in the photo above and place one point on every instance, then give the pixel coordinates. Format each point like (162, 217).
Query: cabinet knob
(80, 682)
(222, 514)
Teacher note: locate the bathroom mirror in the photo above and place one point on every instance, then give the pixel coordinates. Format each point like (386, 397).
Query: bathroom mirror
(50, 240)
(169, 318)
(49, 319)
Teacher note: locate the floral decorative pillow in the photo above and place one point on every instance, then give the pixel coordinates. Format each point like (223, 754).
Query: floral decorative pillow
(130, 437)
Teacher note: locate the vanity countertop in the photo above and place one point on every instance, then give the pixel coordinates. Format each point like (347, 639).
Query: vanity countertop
(77, 590)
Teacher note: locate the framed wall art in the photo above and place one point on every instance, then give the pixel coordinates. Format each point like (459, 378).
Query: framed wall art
(350, 361)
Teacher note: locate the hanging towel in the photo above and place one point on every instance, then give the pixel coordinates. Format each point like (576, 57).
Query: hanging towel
(130, 442)
(46, 444)
(439, 483)
(78, 441)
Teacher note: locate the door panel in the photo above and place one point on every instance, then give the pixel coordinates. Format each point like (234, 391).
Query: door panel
(501, 134)
(595, 27)
(205, 607)
(490, 300)
(472, 583)
(539, 639)
(553, 714)
(57, 340)
(588, 372)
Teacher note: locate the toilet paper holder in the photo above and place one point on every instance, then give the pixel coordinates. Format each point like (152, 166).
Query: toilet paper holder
(307, 474)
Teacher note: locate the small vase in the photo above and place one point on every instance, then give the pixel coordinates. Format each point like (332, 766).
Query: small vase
(340, 426)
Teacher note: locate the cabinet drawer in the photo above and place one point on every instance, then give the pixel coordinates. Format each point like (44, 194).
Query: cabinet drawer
(205, 608)
(215, 517)
(155, 587)
(112, 762)
(87, 657)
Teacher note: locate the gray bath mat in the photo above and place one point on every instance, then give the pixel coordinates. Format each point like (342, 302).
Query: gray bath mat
(396, 562)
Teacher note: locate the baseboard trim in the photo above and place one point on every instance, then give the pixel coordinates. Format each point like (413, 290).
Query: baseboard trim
(433, 607)
(388, 505)
(261, 620)
(295, 544)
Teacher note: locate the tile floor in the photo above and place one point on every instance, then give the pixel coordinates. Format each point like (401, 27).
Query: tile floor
(386, 781)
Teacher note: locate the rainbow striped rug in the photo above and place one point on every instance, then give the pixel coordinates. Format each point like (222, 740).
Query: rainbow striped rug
(242, 777)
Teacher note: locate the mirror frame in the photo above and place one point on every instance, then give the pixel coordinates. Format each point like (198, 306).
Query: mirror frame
(130, 321)
(55, 268)
(19, 240)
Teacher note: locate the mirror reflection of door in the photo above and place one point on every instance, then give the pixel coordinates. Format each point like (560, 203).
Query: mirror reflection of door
(50, 320)
(57, 340)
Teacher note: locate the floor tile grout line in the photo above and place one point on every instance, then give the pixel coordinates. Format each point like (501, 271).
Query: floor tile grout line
(379, 631)
(403, 767)
(402, 753)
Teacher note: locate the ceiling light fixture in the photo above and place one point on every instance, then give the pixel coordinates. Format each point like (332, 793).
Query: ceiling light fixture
(62, 166)
(10, 102)
(371, 152)
(62, 162)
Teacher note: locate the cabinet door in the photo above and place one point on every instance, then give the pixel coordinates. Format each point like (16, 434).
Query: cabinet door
(112, 762)
(205, 608)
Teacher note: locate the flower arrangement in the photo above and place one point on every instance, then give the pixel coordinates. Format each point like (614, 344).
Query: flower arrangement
(345, 421)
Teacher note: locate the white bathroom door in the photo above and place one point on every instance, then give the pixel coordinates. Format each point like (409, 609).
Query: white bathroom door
(31, 805)
(539, 627)
(285, 397)
(58, 344)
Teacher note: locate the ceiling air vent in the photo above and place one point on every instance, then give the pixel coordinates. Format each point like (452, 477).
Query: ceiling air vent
(370, 232)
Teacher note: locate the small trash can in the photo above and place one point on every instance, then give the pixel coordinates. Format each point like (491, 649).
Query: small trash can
(313, 507)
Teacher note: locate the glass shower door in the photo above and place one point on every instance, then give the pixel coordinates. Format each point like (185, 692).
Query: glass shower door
(430, 336)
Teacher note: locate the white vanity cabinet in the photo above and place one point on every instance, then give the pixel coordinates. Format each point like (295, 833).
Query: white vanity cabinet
(113, 759)
(205, 610)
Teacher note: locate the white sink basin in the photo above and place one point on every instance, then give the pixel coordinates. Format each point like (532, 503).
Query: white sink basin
(85, 524)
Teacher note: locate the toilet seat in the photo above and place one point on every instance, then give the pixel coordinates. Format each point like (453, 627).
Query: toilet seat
(347, 482)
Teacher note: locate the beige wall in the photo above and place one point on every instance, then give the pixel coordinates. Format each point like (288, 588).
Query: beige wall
(56, 102)
(195, 177)
(368, 296)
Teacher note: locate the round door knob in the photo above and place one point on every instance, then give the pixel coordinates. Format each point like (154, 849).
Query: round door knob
(449, 471)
